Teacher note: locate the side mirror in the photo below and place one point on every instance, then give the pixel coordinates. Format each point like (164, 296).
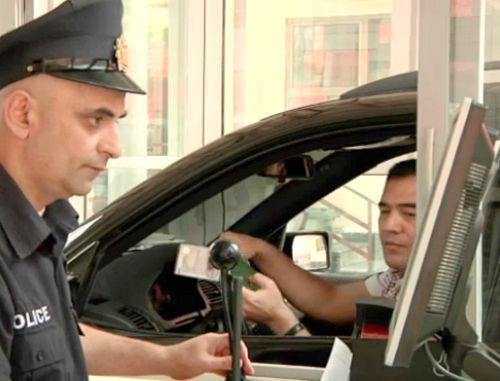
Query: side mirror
(308, 250)
(294, 168)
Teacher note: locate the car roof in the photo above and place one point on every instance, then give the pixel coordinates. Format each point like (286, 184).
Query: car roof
(399, 83)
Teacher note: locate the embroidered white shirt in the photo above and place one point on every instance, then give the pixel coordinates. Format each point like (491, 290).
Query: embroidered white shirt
(386, 284)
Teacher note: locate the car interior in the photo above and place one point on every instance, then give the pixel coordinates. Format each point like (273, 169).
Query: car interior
(163, 302)
(136, 291)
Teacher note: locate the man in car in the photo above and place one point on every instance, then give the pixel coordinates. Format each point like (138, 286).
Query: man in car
(317, 297)
(62, 91)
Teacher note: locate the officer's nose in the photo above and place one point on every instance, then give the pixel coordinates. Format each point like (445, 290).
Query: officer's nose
(111, 144)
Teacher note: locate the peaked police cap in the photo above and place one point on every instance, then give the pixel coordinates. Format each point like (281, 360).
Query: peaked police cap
(80, 40)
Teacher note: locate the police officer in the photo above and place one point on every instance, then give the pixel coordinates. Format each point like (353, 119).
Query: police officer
(62, 89)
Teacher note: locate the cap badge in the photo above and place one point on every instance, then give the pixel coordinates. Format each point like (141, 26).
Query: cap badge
(121, 53)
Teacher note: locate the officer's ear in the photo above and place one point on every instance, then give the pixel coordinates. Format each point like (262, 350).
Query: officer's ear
(20, 113)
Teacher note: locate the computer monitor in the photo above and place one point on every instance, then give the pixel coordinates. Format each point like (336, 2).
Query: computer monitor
(431, 304)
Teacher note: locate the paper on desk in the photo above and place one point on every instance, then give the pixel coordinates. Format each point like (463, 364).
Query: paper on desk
(338, 366)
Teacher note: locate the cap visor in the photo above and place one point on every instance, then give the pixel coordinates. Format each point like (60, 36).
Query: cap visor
(115, 80)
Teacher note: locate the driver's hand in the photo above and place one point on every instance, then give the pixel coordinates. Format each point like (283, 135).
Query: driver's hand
(266, 305)
(249, 246)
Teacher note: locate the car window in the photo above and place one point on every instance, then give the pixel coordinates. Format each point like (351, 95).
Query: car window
(349, 216)
(205, 222)
(161, 300)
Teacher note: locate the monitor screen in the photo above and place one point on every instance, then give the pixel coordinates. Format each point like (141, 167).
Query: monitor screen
(431, 304)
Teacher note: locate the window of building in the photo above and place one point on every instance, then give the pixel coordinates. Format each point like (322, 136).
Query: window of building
(327, 56)
(289, 53)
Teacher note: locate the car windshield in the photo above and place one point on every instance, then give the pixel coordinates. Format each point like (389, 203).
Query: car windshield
(204, 223)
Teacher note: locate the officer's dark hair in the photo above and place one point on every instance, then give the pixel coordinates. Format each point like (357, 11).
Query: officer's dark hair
(404, 168)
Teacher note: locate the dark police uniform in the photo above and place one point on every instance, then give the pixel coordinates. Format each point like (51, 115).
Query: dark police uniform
(38, 336)
(78, 41)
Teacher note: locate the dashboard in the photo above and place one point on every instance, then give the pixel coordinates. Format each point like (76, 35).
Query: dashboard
(139, 290)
